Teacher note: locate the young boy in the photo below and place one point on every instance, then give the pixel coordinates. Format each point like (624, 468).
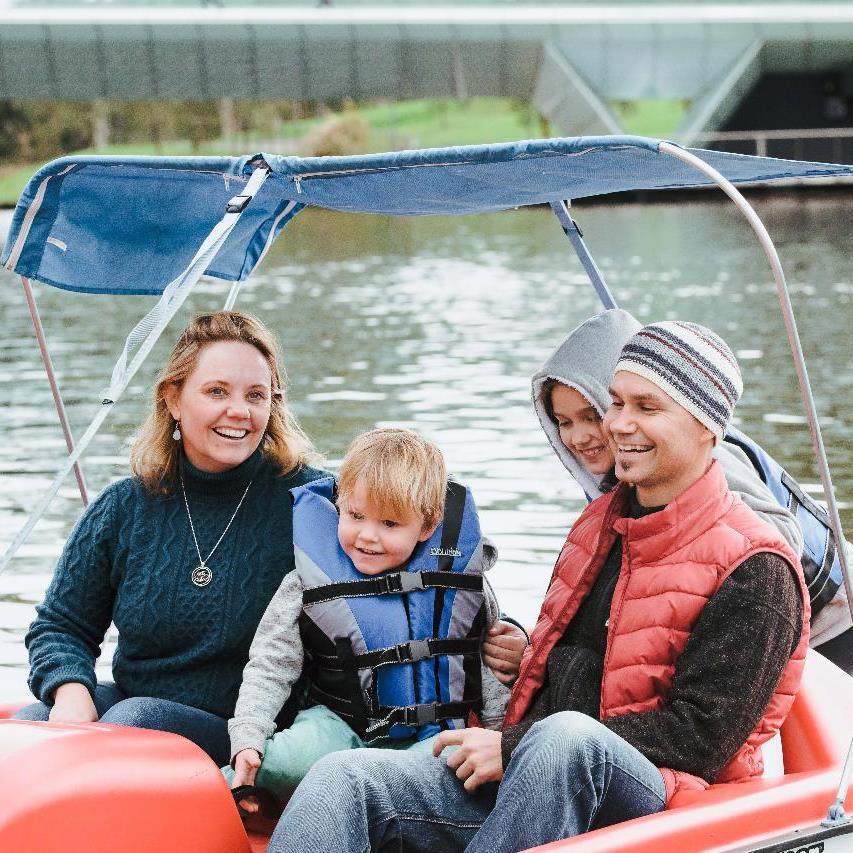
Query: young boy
(384, 612)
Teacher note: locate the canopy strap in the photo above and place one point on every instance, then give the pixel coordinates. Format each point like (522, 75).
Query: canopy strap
(145, 335)
(793, 340)
(571, 230)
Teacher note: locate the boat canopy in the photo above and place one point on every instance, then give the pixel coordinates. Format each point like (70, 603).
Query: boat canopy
(130, 225)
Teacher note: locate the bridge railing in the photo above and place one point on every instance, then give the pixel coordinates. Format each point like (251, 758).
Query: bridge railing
(825, 144)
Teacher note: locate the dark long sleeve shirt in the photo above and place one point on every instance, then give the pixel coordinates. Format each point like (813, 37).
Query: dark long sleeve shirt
(723, 679)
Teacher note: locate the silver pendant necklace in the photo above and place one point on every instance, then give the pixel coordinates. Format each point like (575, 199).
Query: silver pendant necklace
(201, 575)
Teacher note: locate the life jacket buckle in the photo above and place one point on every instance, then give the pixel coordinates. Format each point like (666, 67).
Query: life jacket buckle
(420, 715)
(411, 581)
(418, 649)
(389, 584)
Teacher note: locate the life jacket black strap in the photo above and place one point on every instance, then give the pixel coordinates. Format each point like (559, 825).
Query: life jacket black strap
(343, 707)
(454, 509)
(800, 496)
(419, 715)
(408, 652)
(821, 585)
(395, 583)
(357, 708)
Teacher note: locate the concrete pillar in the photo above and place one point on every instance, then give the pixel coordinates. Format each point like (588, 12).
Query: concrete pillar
(100, 124)
(227, 119)
(567, 101)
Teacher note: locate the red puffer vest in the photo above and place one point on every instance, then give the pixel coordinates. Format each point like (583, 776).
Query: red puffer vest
(673, 562)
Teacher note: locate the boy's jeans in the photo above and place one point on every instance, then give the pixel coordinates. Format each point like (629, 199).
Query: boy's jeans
(568, 774)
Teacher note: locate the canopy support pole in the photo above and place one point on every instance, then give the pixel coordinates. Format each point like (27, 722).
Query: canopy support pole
(54, 387)
(793, 339)
(571, 230)
(232, 296)
(142, 338)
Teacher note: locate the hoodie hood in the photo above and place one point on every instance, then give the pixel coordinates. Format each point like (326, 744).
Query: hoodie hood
(585, 361)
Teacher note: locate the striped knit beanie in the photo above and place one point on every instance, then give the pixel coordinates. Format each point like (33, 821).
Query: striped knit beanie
(691, 364)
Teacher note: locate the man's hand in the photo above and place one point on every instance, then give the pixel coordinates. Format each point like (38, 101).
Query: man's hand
(246, 764)
(72, 703)
(478, 758)
(502, 650)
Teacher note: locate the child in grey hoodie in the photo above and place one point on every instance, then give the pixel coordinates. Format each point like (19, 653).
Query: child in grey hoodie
(570, 396)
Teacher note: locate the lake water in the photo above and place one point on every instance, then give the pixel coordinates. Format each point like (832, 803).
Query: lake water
(437, 324)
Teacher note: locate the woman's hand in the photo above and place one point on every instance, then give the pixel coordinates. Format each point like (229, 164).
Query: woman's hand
(502, 650)
(246, 764)
(478, 758)
(72, 703)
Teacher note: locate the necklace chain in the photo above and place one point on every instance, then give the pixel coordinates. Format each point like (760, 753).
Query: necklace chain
(203, 560)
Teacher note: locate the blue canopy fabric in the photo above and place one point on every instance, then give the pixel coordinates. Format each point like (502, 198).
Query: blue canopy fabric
(131, 224)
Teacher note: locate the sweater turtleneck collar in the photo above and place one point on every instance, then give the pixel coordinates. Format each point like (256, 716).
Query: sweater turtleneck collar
(224, 482)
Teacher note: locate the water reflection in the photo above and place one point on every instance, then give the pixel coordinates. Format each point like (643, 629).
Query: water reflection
(438, 324)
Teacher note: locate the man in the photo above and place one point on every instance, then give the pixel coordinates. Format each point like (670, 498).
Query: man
(669, 647)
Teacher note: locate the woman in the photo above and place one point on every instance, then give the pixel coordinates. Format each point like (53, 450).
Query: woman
(183, 556)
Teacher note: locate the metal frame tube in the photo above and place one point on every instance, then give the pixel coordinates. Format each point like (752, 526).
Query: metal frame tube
(54, 387)
(571, 230)
(836, 816)
(793, 338)
(232, 296)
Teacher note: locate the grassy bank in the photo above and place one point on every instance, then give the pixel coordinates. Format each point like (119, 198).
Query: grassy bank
(425, 123)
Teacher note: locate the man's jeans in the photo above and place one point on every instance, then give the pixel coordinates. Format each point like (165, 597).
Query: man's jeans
(569, 774)
(204, 729)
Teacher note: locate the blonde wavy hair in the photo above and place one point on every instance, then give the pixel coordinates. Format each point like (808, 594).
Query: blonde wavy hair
(155, 455)
(402, 473)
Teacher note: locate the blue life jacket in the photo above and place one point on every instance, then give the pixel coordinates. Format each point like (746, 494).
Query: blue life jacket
(395, 654)
(821, 563)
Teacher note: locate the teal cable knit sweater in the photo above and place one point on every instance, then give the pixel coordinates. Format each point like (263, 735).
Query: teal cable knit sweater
(129, 561)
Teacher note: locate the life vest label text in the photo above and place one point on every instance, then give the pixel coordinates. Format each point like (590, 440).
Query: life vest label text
(445, 552)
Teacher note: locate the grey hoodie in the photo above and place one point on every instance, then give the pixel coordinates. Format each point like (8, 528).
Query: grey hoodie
(585, 361)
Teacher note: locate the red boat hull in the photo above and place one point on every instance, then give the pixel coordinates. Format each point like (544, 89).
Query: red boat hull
(94, 788)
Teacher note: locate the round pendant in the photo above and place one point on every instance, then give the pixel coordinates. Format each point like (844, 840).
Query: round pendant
(201, 576)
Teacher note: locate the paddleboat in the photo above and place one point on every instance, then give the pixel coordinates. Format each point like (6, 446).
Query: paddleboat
(140, 225)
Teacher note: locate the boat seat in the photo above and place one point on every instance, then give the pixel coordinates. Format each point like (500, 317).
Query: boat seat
(798, 789)
(96, 788)
(774, 760)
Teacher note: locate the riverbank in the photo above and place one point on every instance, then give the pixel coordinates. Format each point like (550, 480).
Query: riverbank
(366, 128)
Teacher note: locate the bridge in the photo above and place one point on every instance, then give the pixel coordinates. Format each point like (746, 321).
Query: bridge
(741, 66)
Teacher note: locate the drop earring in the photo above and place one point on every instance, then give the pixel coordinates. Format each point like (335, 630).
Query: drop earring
(176, 435)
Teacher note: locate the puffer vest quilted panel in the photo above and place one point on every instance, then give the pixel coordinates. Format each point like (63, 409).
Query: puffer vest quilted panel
(673, 562)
